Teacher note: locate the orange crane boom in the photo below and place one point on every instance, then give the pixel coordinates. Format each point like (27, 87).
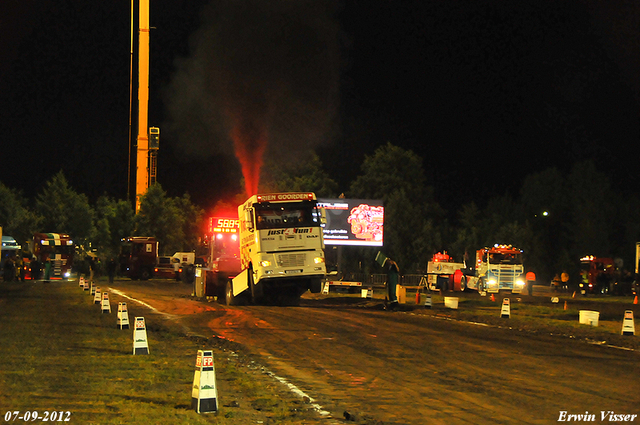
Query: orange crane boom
(142, 156)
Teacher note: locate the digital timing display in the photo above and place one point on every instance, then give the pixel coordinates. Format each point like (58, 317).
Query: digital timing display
(223, 225)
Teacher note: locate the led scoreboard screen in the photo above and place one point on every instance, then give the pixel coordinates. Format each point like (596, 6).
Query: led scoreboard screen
(353, 222)
(224, 225)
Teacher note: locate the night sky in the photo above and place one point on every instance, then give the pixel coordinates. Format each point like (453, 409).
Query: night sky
(485, 92)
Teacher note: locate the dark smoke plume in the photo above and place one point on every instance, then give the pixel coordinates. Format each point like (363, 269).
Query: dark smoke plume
(262, 77)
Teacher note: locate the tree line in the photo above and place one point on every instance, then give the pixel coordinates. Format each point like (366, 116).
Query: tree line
(556, 218)
(58, 208)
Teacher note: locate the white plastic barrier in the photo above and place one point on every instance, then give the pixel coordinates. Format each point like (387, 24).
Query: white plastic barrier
(588, 317)
(451, 302)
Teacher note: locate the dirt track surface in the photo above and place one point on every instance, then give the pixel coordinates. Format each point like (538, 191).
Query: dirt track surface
(415, 366)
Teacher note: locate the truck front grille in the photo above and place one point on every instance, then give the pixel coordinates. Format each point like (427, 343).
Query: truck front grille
(291, 260)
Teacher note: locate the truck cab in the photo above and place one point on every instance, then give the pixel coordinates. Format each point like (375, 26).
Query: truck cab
(499, 268)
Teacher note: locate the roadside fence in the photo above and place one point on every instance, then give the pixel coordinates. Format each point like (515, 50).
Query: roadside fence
(380, 279)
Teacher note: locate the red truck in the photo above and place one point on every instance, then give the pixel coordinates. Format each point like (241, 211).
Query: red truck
(59, 249)
(138, 257)
(596, 274)
(223, 258)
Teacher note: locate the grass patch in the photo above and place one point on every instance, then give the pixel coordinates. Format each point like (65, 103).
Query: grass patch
(59, 352)
(541, 316)
(537, 315)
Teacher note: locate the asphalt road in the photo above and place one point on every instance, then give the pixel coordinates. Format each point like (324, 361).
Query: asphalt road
(409, 368)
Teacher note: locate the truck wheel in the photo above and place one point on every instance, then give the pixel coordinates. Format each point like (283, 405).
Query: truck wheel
(229, 298)
(289, 298)
(145, 274)
(463, 283)
(481, 286)
(292, 300)
(221, 293)
(316, 286)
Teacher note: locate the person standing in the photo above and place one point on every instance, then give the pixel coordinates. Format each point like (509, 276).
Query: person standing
(47, 269)
(92, 268)
(9, 269)
(531, 279)
(564, 277)
(23, 269)
(393, 272)
(111, 269)
(35, 269)
(176, 268)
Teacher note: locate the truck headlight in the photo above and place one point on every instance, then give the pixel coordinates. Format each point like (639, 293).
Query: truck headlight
(318, 260)
(265, 263)
(492, 282)
(519, 282)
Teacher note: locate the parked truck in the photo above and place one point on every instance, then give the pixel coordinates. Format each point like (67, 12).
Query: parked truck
(281, 249)
(58, 249)
(443, 273)
(138, 257)
(597, 275)
(498, 268)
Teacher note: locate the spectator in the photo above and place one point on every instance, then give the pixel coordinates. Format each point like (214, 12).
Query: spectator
(47, 269)
(531, 279)
(92, 268)
(111, 269)
(35, 269)
(9, 269)
(564, 277)
(176, 268)
(393, 271)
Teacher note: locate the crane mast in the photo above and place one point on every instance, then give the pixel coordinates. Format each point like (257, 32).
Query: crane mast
(142, 141)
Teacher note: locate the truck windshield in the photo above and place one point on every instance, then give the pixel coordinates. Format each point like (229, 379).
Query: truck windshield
(278, 216)
(58, 249)
(505, 258)
(125, 249)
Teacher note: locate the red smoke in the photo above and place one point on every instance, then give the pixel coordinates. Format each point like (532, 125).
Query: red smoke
(250, 141)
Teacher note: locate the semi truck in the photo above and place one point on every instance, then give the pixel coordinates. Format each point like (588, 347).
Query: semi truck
(498, 268)
(281, 249)
(59, 249)
(138, 257)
